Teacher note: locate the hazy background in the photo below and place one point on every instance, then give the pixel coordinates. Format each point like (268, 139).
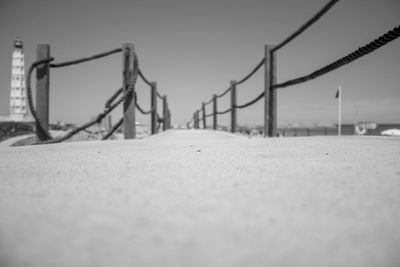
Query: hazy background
(194, 48)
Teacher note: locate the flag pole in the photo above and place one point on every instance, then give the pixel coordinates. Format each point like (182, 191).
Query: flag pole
(340, 112)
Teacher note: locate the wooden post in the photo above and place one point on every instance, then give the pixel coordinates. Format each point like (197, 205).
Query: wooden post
(42, 91)
(169, 119)
(154, 104)
(215, 112)
(270, 111)
(165, 113)
(128, 65)
(194, 120)
(203, 107)
(233, 107)
(197, 119)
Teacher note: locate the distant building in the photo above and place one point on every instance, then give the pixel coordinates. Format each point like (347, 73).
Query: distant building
(18, 100)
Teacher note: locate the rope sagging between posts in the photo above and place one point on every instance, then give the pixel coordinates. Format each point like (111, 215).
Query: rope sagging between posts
(251, 102)
(306, 25)
(360, 52)
(108, 107)
(85, 59)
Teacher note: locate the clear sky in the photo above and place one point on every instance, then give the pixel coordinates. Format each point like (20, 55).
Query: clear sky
(194, 48)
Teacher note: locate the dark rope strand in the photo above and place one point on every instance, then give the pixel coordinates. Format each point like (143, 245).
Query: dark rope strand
(259, 65)
(360, 52)
(306, 25)
(251, 102)
(113, 129)
(85, 59)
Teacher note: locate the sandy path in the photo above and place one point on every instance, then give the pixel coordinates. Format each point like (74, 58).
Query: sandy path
(202, 198)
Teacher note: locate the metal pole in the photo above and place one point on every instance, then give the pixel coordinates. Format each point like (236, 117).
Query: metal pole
(129, 108)
(42, 91)
(233, 107)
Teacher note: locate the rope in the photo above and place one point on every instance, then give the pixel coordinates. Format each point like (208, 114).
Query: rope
(159, 96)
(262, 62)
(224, 93)
(113, 97)
(209, 102)
(85, 59)
(144, 78)
(29, 94)
(251, 102)
(223, 112)
(209, 115)
(306, 25)
(159, 120)
(113, 129)
(107, 110)
(143, 111)
(360, 52)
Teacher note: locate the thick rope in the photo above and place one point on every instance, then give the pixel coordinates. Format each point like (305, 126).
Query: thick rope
(225, 111)
(141, 75)
(209, 115)
(259, 65)
(113, 97)
(305, 26)
(159, 96)
(360, 52)
(141, 110)
(113, 129)
(224, 93)
(251, 102)
(209, 102)
(33, 66)
(102, 115)
(85, 59)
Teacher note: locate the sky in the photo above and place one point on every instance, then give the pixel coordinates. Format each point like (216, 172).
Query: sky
(193, 49)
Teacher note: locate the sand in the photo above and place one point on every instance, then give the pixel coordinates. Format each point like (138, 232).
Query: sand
(202, 198)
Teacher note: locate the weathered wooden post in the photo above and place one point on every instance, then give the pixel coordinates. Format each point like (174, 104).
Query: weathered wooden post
(215, 112)
(129, 108)
(169, 119)
(194, 120)
(197, 119)
(270, 111)
(165, 113)
(42, 91)
(233, 107)
(154, 104)
(203, 108)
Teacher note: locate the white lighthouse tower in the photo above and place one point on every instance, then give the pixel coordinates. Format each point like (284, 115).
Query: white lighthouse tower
(18, 101)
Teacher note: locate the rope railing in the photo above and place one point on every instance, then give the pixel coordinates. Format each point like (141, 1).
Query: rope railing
(85, 59)
(141, 75)
(306, 25)
(131, 72)
(360, 52)
(144, 112)
(269, 63)
(224, 93)
(255, 100)
(259, 65)
(113, 129)
(224, 112)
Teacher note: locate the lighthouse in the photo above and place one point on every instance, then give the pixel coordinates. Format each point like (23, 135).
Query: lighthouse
(18, 101)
